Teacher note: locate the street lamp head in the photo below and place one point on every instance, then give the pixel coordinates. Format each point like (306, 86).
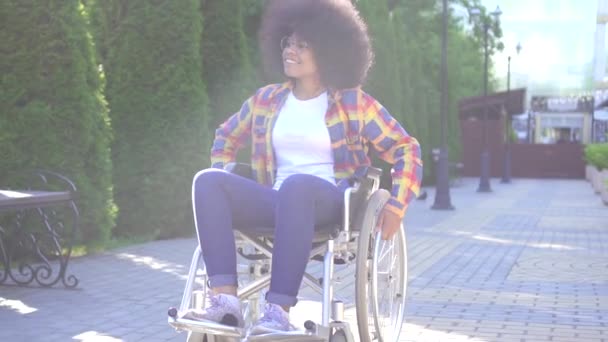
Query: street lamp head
(474, 14)
(497, 12)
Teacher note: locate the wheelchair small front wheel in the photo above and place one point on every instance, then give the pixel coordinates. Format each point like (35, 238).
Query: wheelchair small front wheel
(338, 336)
(381, 272)
(196, 337)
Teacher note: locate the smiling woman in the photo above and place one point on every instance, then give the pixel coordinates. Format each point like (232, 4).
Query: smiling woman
(299, 63)
(310, 135)
(333, 30)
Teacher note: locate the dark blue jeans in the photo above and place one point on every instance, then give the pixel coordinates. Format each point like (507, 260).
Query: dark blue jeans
(223, 201)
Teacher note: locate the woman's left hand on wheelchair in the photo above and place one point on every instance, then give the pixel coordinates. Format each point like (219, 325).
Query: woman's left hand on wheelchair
(388, 223)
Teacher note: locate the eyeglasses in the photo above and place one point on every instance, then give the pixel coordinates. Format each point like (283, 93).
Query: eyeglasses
(290, 42)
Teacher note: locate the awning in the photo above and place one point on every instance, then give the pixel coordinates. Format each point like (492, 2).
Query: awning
(601, 114)
(521, 116)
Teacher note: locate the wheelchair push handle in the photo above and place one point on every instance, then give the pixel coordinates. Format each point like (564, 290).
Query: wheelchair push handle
(368, 177)
(373, 172)
(241, 169)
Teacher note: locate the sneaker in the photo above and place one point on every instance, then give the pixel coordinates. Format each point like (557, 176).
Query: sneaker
(223, 309)
(275, 320)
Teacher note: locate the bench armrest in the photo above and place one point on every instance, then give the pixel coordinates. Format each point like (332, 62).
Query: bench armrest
(48, 177)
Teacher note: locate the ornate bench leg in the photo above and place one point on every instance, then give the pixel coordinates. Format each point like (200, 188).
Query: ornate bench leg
(71, 281)
(38, 245)
(52, 244)
(68, 237)
(37, 237)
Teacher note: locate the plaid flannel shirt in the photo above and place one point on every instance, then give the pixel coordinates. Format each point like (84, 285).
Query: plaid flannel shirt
(355, 121)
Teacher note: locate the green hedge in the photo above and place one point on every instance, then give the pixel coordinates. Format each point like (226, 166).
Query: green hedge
(152, 62)
(53, 114)
(597, 155)
(226, 63)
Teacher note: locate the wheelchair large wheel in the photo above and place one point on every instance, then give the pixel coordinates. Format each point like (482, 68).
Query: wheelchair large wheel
(381, 277)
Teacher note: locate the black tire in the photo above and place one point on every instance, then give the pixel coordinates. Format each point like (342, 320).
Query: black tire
(338, 336)
(389, 287)
(196, 337)
(379, 264)
(367, 224)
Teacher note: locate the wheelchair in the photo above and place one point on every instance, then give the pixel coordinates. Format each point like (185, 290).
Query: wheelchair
(379, 286)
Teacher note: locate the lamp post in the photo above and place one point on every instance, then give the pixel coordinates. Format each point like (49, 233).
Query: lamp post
(442, 192)
(506, 172)
(528, 127)
(592, 120)
(484, 179)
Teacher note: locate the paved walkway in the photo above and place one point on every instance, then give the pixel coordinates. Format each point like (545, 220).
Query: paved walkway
(528, 262)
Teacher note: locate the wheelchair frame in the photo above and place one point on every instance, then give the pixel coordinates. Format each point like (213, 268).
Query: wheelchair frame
(334, 247)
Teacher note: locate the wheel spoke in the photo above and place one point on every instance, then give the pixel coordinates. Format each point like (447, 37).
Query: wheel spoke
(380, 286)
(389, 304)
(383, 253)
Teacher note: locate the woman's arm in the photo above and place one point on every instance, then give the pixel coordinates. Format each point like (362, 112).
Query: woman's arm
(231, 135)
(395, 146)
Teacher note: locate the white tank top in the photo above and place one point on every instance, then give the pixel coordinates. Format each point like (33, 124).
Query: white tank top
(301, 140)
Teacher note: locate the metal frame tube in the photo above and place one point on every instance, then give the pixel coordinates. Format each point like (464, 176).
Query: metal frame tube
(194, 265)
(254, 286)
(328, 268)
(265, 248)
(313, 283)
(346, 221)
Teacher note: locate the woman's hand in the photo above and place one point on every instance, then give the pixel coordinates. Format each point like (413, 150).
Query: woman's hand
(388, 223)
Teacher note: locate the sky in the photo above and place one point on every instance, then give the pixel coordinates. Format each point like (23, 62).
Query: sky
(557, 40)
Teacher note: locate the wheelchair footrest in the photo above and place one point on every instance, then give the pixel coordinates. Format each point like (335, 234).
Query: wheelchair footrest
(206, 327)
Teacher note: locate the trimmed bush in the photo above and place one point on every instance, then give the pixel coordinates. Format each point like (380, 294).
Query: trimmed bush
(226, 65)
(597, 155)
(53, 110)
(152, 62)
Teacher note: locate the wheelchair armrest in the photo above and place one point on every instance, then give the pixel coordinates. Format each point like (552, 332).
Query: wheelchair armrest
(367, 175)
(241, 169)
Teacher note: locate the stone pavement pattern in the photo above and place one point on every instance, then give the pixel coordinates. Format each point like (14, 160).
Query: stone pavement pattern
(528, 262)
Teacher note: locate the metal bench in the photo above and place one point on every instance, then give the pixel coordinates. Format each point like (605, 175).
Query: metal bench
(37, 230)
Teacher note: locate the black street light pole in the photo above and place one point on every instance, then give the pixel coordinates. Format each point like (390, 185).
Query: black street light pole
(528, 128)
(484, 179)
(506, 172)
(442, 192)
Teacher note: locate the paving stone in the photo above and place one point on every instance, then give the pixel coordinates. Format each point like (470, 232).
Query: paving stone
(521, 264)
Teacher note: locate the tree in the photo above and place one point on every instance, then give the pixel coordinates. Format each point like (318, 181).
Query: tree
(406, 75)
(383, 81)
(53, 111)
(226, 65)
(252, 16)
(152, 62)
